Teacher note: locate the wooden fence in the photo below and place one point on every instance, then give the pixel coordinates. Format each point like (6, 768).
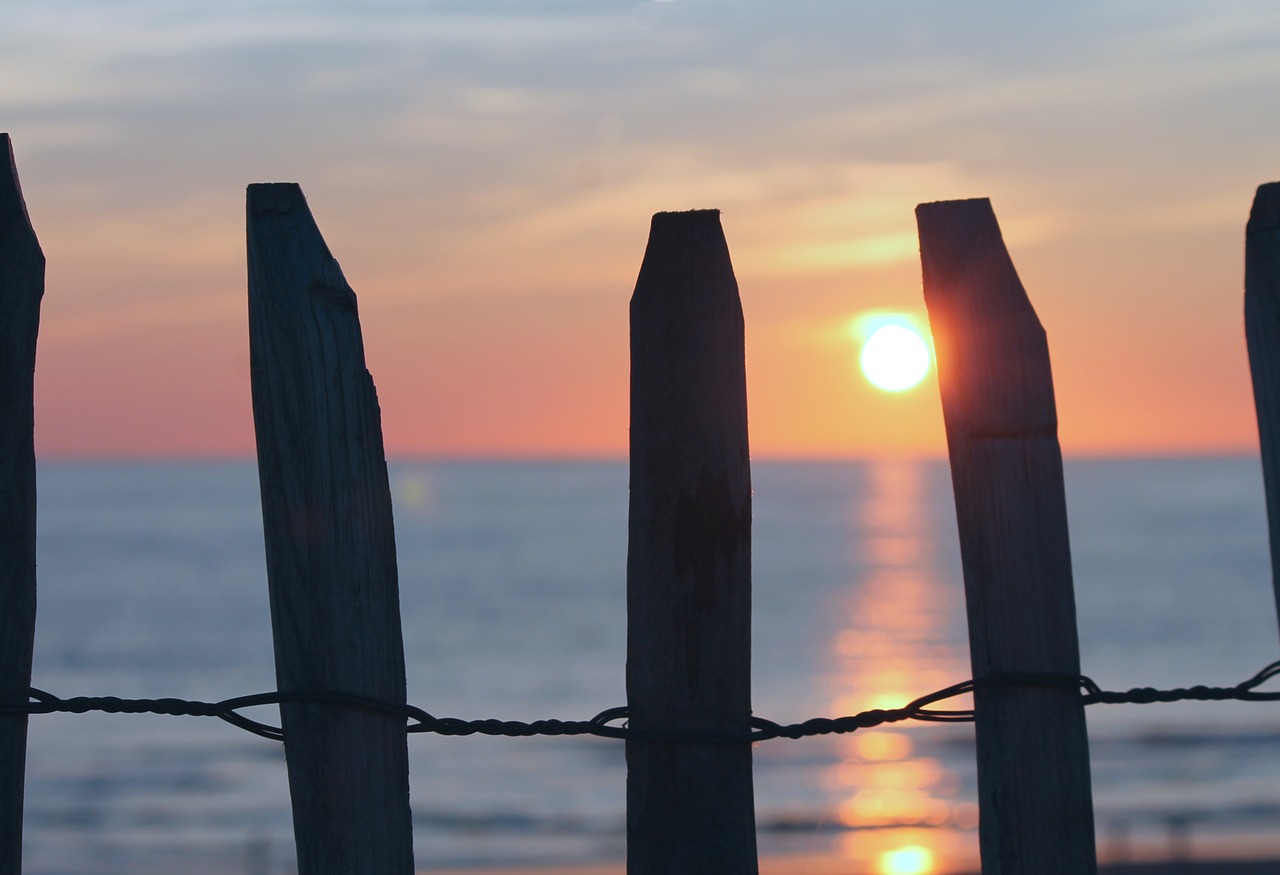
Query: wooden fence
(331, 547)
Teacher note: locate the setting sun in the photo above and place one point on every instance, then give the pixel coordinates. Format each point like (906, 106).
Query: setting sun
(894, 357)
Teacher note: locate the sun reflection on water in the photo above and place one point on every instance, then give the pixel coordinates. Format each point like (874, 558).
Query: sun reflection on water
(899, 807)
(907, 860)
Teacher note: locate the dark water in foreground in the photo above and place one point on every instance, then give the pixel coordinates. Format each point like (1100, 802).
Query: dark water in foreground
(512, 588)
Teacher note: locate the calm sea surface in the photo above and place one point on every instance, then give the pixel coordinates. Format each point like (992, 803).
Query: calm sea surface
(152, 583)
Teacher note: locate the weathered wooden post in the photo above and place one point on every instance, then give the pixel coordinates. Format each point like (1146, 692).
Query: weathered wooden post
(1006, 467)
(326, 508)
(690, 805)
(21, 288)
(1262, 333)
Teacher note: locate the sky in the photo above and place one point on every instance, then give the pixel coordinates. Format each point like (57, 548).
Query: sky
(485, 173)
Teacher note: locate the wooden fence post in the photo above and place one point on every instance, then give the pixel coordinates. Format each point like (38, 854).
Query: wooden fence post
(1262, 333)
(690, 806)
(1006, 467)
(326, 508)
(21, 288)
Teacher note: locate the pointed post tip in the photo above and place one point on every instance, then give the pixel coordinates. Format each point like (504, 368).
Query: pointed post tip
(275, 197)
(955, 203)
(1265, 215)
(685, 221)
(960, 235)
(9, 179)
(976, 211)
(991, 348)
(686, 225)
(666, 215)
(687, 254)
(13, 206)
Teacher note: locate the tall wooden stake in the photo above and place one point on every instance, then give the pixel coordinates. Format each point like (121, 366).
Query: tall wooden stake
(1006, 466)
(331, 564)
(1262, 332)
(690, 807)
(21, 288)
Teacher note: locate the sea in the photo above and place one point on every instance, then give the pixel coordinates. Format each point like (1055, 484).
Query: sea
(512, 585)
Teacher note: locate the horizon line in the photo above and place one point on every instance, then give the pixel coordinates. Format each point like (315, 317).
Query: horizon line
(445, 458)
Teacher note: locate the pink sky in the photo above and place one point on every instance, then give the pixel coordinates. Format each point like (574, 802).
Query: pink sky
(486, 178)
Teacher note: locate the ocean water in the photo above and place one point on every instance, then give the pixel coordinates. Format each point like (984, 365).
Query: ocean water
(512, 575)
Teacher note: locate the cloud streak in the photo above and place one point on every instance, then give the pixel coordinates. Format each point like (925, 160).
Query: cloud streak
(461, 152)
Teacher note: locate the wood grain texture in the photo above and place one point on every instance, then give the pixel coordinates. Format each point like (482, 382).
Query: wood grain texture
(1006, 465)
(21, 288)
(690, 807)
(1262, 333)
(326, 507)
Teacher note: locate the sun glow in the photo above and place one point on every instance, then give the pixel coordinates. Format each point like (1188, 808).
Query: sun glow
(895, 357)
(911, 860)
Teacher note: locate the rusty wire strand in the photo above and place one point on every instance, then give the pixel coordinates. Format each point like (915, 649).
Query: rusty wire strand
(604, 724)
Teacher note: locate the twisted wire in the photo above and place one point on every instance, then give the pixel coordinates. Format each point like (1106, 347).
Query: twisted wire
(605, 724)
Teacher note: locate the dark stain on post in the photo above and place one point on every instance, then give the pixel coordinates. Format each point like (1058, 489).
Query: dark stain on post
(709, 525)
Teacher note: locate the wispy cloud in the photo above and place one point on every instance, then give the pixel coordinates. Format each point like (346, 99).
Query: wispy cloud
(484, 151)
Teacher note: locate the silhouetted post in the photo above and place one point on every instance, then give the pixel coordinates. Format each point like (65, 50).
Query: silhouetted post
(21, 287)
(331, 564)
(1002, 435)
(1262, 332)
(690, 806)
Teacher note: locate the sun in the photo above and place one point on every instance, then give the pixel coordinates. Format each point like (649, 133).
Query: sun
(895, 357)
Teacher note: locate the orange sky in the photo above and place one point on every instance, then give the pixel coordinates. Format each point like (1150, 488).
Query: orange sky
(486, 176)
